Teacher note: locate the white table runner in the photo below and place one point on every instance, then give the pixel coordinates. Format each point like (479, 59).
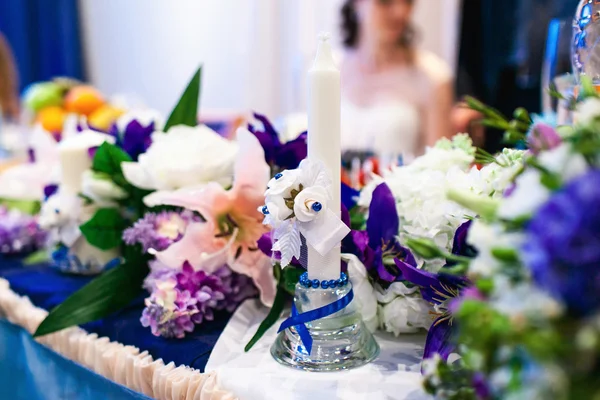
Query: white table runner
(256, 376)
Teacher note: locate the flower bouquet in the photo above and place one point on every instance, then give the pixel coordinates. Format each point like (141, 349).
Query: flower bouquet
(176, 203)
(521, 311)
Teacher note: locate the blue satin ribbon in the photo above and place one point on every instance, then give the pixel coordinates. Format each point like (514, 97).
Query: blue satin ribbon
(299, 320)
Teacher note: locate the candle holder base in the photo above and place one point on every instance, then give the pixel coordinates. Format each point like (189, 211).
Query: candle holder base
(341, 341)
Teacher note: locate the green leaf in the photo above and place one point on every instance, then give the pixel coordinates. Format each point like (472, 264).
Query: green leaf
(105, 229)
(186, 110)
(31, 207)
(482, 205)
(108, 159)
(505, 254)
(289, 278)
(425, 248)
(39, 257)
(103, 296)
(271, 318)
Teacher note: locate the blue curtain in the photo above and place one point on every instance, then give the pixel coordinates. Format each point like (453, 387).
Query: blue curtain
(44, 36)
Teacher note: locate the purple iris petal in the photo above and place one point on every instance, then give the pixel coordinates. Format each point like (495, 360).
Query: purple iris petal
(433, 286)
(49, 190)
(31, 155)
(289, 155)
(269, 129)
(268, 137)
(137, 138)
(345, 216)
(383, 223)
(428, 281)
(92, 152)
(439, 339)
(460, 246)
(265, 243)
(349, 196)
(267, 144)
(283, 155)
(382, 271)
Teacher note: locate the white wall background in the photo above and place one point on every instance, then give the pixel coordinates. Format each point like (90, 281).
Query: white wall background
(254, 52)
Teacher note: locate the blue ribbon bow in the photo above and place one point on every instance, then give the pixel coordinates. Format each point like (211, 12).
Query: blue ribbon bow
(299, 320)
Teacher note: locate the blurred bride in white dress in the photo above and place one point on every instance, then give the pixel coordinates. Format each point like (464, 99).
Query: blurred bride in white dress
(396, 98)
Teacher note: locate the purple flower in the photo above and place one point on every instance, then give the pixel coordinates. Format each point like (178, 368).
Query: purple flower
(135, 138)
(19, 233)
(460, 246)
(282, 155)
(441, 290)
(159, 231)
(562, 246)
(49, 190)
(481, 386)
(380, 241)
(542, 137)
(181, 299)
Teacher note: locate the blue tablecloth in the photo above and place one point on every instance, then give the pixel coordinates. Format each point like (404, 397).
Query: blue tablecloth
(47, 288)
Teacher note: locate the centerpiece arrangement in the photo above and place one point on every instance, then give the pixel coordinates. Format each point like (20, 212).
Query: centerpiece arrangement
(494, 255)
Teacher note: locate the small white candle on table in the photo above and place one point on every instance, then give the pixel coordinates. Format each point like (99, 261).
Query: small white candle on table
(324, 136)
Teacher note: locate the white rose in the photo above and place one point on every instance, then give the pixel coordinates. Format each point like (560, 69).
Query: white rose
(283, 183)
(145, 117)
(405, 315)
(310, 203)
(588, 111)
(100, 188)
(277, 208)
(183, 157)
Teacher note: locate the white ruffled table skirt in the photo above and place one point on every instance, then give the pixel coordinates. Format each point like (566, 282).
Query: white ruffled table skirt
(125, 365)
(230, 373)
(395, 374)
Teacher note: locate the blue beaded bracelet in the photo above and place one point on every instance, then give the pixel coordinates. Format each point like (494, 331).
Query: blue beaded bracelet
(324, 284)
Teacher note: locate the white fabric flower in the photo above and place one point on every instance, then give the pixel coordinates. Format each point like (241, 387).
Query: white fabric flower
(278, 210)
(310, 203)
(101, 189)
(183, 157)
(587, 111)
(283, 183)
(365, 295)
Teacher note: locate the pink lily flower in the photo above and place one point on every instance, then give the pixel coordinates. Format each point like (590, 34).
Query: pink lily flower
(233, 225)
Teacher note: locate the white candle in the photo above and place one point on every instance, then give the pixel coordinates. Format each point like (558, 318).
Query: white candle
(75, 158)
(324, 115)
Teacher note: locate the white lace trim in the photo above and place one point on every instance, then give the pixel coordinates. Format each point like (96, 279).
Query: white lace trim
(125, 365)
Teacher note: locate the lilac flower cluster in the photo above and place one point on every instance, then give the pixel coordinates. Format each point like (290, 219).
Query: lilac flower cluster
(159, 230)
(182, 299)
(19, 233)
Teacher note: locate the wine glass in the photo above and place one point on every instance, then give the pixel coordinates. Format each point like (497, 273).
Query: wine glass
(557, 68)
